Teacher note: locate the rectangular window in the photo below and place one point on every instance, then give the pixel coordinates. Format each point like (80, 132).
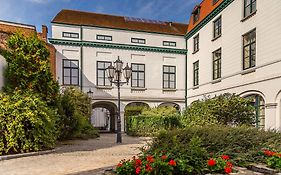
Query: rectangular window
(250, 6)
(196, 14)
(217, 64)
(70, 35)
(169, 43)
(104, 37)
(196, 43)
(71, 72)
(217, 27)
(249, 50)
(169, 77)
(138, 40)
(215, 1)
(102, 79)
(138, 75)
(196, 73)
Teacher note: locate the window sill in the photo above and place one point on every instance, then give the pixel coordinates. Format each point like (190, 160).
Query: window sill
(216, 81)
(195, 87)
(249, 16)
(138, 89)
(170, 90)
(248, 71)
(195, 51)
(214, 39)
(104, 87)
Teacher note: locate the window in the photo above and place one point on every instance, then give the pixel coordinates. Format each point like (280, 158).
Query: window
(249, 7)
(249, 50)
(196, 14)
(71, 72)
(215, 1)
(217, 64)
(70, 35)
(196, 43)
(102, 79)
(217, 28)
(138, 40)
(196, 73)
(138, 75)
(104, 37)
(169, 43)
(169, 77)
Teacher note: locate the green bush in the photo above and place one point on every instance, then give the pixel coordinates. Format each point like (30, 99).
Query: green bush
(151, 121)
(242, 144)
(75, 113)
(134, 110)
(26, 123)
(226, 109)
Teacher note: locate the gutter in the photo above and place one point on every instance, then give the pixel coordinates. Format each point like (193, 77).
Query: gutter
(185, 89)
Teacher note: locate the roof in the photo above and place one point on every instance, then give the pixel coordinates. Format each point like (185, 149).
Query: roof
(11, 27)
(81, 18)
(206, 7)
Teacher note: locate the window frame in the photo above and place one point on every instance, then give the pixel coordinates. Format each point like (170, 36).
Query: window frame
(219, 22)
(169, 43)
(97, 37)
(215, 1)
(70, 68)
(217, 60)
(70, 33)
(252, 62)
(196, 43)
(196, 15)
(251, 7)
(104, 73)
(169, 73)
(138, 71)
(138, 40)
(196, 73)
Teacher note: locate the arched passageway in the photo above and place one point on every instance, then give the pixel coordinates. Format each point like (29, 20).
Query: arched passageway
(104, 116)
(170, 104)
(259, 103)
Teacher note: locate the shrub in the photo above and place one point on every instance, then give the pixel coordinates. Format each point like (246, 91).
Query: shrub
(75, 113)
(273, 159)
(151, 121)
(26, 123)
(242, 144)
(134, 110)
(226, 109)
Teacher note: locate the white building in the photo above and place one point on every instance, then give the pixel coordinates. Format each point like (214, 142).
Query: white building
(235, 46)
(87, 43)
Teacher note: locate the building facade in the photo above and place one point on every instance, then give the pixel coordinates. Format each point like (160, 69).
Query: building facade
(234, 46)
(87, 43)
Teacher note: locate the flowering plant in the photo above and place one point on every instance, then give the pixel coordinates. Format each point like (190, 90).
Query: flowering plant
(220, 164)
(273, 159)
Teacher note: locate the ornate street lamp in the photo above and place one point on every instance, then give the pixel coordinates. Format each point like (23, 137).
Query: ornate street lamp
(90, 93)
(114, 74)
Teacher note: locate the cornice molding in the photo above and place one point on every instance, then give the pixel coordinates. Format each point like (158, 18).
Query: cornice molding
(208, 18)
(116, 46)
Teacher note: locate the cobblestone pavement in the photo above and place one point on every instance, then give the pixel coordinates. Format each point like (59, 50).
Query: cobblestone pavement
(76, 157)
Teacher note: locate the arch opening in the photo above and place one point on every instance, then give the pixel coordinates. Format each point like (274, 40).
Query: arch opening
(170, 104)
(258, 102)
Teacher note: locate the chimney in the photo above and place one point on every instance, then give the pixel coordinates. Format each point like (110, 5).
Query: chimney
(170, 24)
(44, 32)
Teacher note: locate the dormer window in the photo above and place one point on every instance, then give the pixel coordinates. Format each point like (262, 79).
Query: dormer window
(215, 1)
(196, 14)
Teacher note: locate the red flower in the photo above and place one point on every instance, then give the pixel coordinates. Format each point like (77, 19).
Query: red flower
(227, 170)
(212, 162)
(164, 157)
(225, 157)
(119, 164)
(172, 163)
(138, 162)
(229, 164)
(138, 170)
(269, 153)
(150, 159)
(148, 168)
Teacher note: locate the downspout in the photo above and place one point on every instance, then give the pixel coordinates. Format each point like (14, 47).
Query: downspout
(185, 74)
(81, 57)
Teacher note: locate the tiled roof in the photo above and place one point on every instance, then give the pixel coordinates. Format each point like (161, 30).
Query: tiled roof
(206, 7)
(119, 22)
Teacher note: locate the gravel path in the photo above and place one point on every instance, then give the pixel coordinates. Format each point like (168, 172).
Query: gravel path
(76, 157)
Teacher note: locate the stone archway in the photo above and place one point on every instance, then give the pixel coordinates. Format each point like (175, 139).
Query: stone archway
(104, 114)
(170, 104)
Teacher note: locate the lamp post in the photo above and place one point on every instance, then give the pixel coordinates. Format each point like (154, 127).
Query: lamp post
(90, 94)
(114, 74)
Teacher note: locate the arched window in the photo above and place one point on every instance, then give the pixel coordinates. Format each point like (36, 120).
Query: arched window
(258, 102)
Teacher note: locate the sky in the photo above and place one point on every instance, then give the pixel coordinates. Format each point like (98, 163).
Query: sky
(38, 12)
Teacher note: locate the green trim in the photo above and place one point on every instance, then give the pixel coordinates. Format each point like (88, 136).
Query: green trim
(117, 29)
(117, 46)
(81, 58)
(207, 19)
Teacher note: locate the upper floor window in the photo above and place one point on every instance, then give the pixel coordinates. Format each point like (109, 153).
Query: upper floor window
(104, 37)
(217, 28)
(217, 64)
(249, 50)
(169, 77)
(138, 40)
(196, 43)
(70, 35)
(215, 1)
(196, 73)
(102, 79)
(169, 43)
(71, 72)
(138, 75)
(196, 14)
(250, 7)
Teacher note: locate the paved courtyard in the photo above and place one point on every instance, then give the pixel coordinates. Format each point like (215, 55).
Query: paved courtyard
(76, 157)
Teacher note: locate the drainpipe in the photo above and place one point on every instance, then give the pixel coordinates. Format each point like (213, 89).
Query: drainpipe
(81, 57)
(185, 75)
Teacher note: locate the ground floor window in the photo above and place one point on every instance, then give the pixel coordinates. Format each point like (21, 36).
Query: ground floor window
(259, 104)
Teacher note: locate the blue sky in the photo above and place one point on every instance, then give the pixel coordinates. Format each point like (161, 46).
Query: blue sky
(37, 12)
